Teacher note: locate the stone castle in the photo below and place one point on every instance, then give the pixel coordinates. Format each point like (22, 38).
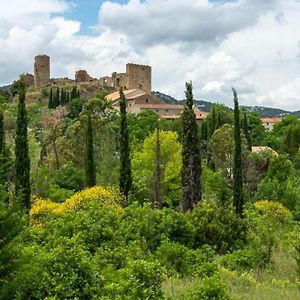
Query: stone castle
(136, 83)
(41, 70)
(136, 76)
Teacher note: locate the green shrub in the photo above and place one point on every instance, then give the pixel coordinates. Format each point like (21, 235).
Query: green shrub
(69, 177)
(210, 288)
(218, 227)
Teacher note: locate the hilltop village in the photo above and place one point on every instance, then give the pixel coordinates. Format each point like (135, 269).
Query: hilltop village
(136, 83)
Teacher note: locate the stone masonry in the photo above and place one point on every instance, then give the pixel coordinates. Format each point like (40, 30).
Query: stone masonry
(136, 77)
(41, 70)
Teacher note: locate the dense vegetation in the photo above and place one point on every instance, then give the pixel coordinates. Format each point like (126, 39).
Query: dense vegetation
(199, 216)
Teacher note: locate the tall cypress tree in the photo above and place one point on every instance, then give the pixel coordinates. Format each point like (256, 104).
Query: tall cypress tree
(50, 101)
(191, 160)
(246, 130)
(90, 171)
(156, 199)
(1, 131)
(57, 98)
(125, 163)
(22, 164)
(5, 161)
(238, 198)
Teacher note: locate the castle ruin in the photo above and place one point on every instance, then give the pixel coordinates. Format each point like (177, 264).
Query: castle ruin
(41, 70)
(136, 77)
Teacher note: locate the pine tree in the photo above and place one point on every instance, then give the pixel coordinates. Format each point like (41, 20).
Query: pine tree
(50, 101)
(156, 199)
(191, 160)
(238, 198)
(246, 130)
(90, 172)
(22, 164)
(125, 163)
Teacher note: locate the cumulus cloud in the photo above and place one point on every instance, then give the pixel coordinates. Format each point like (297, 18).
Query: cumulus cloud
(167, 21)
(252, 45)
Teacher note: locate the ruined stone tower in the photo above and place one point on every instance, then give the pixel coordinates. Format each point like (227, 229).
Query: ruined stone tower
(139, 76)
(41, 70)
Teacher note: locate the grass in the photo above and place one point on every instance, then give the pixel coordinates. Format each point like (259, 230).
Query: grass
(279, 281)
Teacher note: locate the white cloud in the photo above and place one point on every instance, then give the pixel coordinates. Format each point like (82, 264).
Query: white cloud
(252, 45)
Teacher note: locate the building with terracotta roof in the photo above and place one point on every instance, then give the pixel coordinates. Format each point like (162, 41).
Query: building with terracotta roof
(269, 123)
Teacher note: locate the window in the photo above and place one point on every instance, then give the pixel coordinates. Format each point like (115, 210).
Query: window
(146, 100)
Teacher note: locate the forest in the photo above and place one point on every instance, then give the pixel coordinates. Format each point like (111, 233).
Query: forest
(97, 203)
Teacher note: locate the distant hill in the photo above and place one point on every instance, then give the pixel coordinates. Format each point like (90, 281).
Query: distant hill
(201, 104)
(262, 111)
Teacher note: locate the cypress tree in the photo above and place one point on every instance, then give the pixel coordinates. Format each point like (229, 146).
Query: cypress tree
(191, 160)
(22, 164)
(62, 97)
(1, 131)
(156, 200)
(212, 122)
(238, 198)
(50, 101)
(57, 98)
(90, 171)
(125, 163)
(246, 130)
(5, 161)
(74, 93)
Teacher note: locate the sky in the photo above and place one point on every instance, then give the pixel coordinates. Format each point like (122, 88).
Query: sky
(251, 45)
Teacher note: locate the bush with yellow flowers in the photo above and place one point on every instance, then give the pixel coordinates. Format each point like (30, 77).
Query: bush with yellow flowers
(274, 210)
(102, 197)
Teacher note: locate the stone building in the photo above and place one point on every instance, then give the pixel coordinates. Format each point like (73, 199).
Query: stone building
(136, 77)
(28, 79)
(41, 70)
(269, 123)
(83, 76)
(138, 100)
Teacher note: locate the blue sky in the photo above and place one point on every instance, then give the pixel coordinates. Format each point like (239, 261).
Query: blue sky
(253, 45)
(86, 11)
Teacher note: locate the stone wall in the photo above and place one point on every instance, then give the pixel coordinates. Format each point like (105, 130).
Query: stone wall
(139, 76)
(83, 76)
(41, 70)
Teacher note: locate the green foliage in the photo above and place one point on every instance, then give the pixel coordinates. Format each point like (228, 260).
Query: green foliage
(210, 288)
(69, 177)
(142, 125)
(22, 163)
(218, 227)
(12, 222)
(143, 165)
(125, 161)
(191, 160)
(75, 107)
(90, 172)
(238, 193)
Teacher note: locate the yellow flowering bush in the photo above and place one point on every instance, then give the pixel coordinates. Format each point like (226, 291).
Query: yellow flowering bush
(274, 210)
(104, 197)
(40, 210)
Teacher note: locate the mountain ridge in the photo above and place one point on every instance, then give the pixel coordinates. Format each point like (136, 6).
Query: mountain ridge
(203, 105)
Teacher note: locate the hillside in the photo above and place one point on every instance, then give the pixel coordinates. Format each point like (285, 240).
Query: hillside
(205, 106)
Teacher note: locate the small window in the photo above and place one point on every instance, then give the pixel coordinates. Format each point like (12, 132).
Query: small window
(147, 101)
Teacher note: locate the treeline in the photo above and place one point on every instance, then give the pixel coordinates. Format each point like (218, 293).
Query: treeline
(61, 97)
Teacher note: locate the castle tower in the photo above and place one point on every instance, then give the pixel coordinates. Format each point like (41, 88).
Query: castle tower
(41, 70)
(139, 76)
